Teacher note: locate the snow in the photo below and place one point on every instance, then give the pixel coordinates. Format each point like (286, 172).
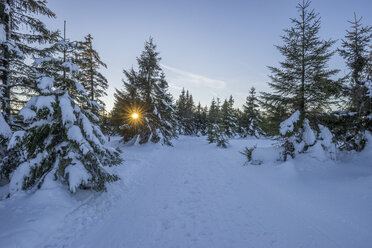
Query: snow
(68, 116)
(22, 171)
(40, 61)
(74, 134)
(39, 103)
(45, 84)
(17, 136)
(308, 135)
(368, 84)
(27, 114)
(13, 48)
(287, 126)
(197, 195)
(80, 88)
(5, 131)
(88, 130)
(70, 66)
(2, 34)
(77, 174)
(327, 141)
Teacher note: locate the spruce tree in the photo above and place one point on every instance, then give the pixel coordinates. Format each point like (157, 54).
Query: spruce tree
(303, 81)
(21, 33)
(90, 63)
(216, 131)
(185, 113)
(146, 94)
(356, 49)
(250, 120)
(201, 120)
(61, 141)
(228, 118)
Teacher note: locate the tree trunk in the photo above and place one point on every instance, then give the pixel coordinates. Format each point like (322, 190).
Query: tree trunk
(5, 21)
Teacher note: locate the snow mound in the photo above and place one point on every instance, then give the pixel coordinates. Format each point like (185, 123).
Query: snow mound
(77, 175)
(45, 84)
(287, 126)
(5, 131)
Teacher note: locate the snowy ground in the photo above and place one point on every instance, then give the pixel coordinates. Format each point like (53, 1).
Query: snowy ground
(197, 195)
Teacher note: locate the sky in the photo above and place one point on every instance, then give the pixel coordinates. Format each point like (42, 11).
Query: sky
(212, 48)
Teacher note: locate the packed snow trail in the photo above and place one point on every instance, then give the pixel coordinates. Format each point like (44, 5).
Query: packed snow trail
(197, 195)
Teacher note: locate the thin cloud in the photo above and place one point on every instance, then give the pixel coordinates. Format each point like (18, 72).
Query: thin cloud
(175, 86)
(185, 78)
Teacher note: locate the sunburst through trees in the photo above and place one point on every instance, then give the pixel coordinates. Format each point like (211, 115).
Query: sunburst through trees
(144, 110)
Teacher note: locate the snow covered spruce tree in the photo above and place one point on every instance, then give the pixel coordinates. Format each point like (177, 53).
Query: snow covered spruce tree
(350, 126)
(60, 142)
(20, 34)
(89, 62)
(249, 120)
(185, 113)
(302, 83)
(229, 121)
(144, 110)
(216, 132)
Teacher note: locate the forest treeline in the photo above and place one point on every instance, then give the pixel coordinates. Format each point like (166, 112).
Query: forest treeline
(54, 126)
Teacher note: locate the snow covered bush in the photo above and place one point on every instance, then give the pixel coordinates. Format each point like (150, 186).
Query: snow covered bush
(61, 140)
(298, 136)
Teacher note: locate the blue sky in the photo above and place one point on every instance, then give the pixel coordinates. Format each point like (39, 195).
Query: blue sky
(212, 48)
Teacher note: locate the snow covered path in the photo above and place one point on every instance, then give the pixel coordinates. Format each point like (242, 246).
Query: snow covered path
(198, 195)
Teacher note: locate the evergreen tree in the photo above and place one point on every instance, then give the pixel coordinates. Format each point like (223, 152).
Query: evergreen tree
(356, 49)
(20, 34)
(201, 120)
(214, 111)
(250, 118)
(61, 141)
(145, 94)
(89, 62)
(185, 113)
(216, 132)
(303, 81)
(228, 118)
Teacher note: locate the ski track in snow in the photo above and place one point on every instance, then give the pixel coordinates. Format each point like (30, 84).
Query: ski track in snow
(197, 195)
